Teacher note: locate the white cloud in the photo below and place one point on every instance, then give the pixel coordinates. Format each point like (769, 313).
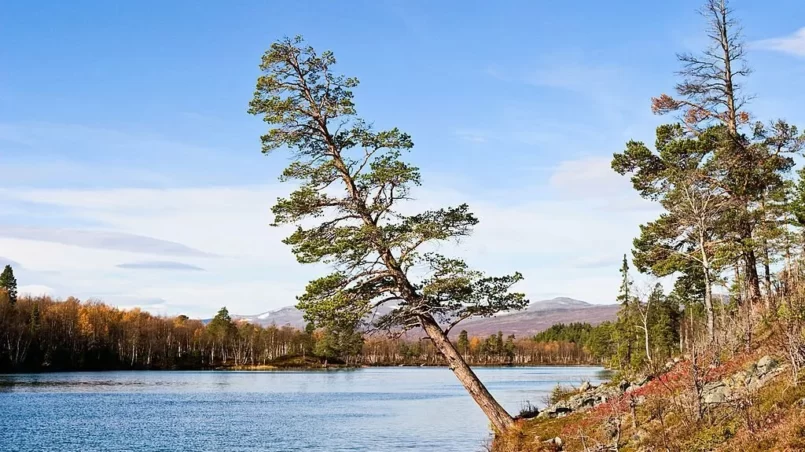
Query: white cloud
(110, 240)
(793, 44)
(556, 234)
(588, 177)
(159, 265)
(35, 290)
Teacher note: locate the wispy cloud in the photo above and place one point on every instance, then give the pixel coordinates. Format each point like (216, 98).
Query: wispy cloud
(159, 265)
(107, 240)
(591, 177)
(569, 73)
(472, 135)
(575, 76)
(793, 44)
(6, 261)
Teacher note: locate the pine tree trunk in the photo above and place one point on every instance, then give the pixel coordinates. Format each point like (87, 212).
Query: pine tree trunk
(752, 280)
(767, 273)
(500, 419)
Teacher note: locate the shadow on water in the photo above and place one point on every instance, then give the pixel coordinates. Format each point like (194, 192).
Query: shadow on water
(17, 383)
(10, 383)
(605, 374)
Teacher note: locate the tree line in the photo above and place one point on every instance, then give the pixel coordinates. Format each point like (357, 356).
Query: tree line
(42, 333)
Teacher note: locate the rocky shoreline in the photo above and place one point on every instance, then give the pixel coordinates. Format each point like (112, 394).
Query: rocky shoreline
(720, 391)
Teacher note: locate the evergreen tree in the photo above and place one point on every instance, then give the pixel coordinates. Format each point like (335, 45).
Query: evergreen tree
(463, 343)
(221, 329)
(351, 179)
(680, 176)
(796, 203)
(602, 341)
(751, 161)
(576, 332)
(342, 342)
(9, 284)
(625, 334)
(35, 319)
(509, 348)
(664, 324)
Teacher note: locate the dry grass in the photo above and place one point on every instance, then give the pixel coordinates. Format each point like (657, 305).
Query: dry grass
(770, 418)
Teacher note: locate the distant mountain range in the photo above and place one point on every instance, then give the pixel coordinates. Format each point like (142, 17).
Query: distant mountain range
(539, 316)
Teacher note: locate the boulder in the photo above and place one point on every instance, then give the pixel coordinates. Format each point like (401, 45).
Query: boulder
(586, 386)
(739, 379)
(716, 392)
(765, 365)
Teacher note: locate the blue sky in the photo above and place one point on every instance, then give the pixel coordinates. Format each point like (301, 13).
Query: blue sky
(130, 171)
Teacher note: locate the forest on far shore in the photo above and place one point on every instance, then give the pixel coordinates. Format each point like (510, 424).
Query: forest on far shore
(46, 334)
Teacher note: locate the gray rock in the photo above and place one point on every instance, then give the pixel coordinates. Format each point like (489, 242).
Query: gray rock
(555, 411)
(739, 379)
(716, 392)
(587, 399)
(556, 442)
(586, 386)
(766, 365)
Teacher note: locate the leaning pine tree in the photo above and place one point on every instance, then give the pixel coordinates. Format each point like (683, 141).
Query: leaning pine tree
(346, 211)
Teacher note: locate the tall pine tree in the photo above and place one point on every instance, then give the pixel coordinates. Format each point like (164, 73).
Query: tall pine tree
(346, 213)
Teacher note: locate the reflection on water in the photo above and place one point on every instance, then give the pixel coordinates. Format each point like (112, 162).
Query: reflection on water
(375, 409)
(605, 374)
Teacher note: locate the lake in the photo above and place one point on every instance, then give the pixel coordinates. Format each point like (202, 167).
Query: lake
(371, 409)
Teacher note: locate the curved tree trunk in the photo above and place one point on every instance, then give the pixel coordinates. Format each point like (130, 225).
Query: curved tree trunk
(499, 417)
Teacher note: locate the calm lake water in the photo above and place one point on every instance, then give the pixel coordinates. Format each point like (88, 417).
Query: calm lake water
(374, 409)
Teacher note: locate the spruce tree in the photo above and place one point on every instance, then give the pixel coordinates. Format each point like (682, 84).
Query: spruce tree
(463, 342)
(9, 284)
(626, 324)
